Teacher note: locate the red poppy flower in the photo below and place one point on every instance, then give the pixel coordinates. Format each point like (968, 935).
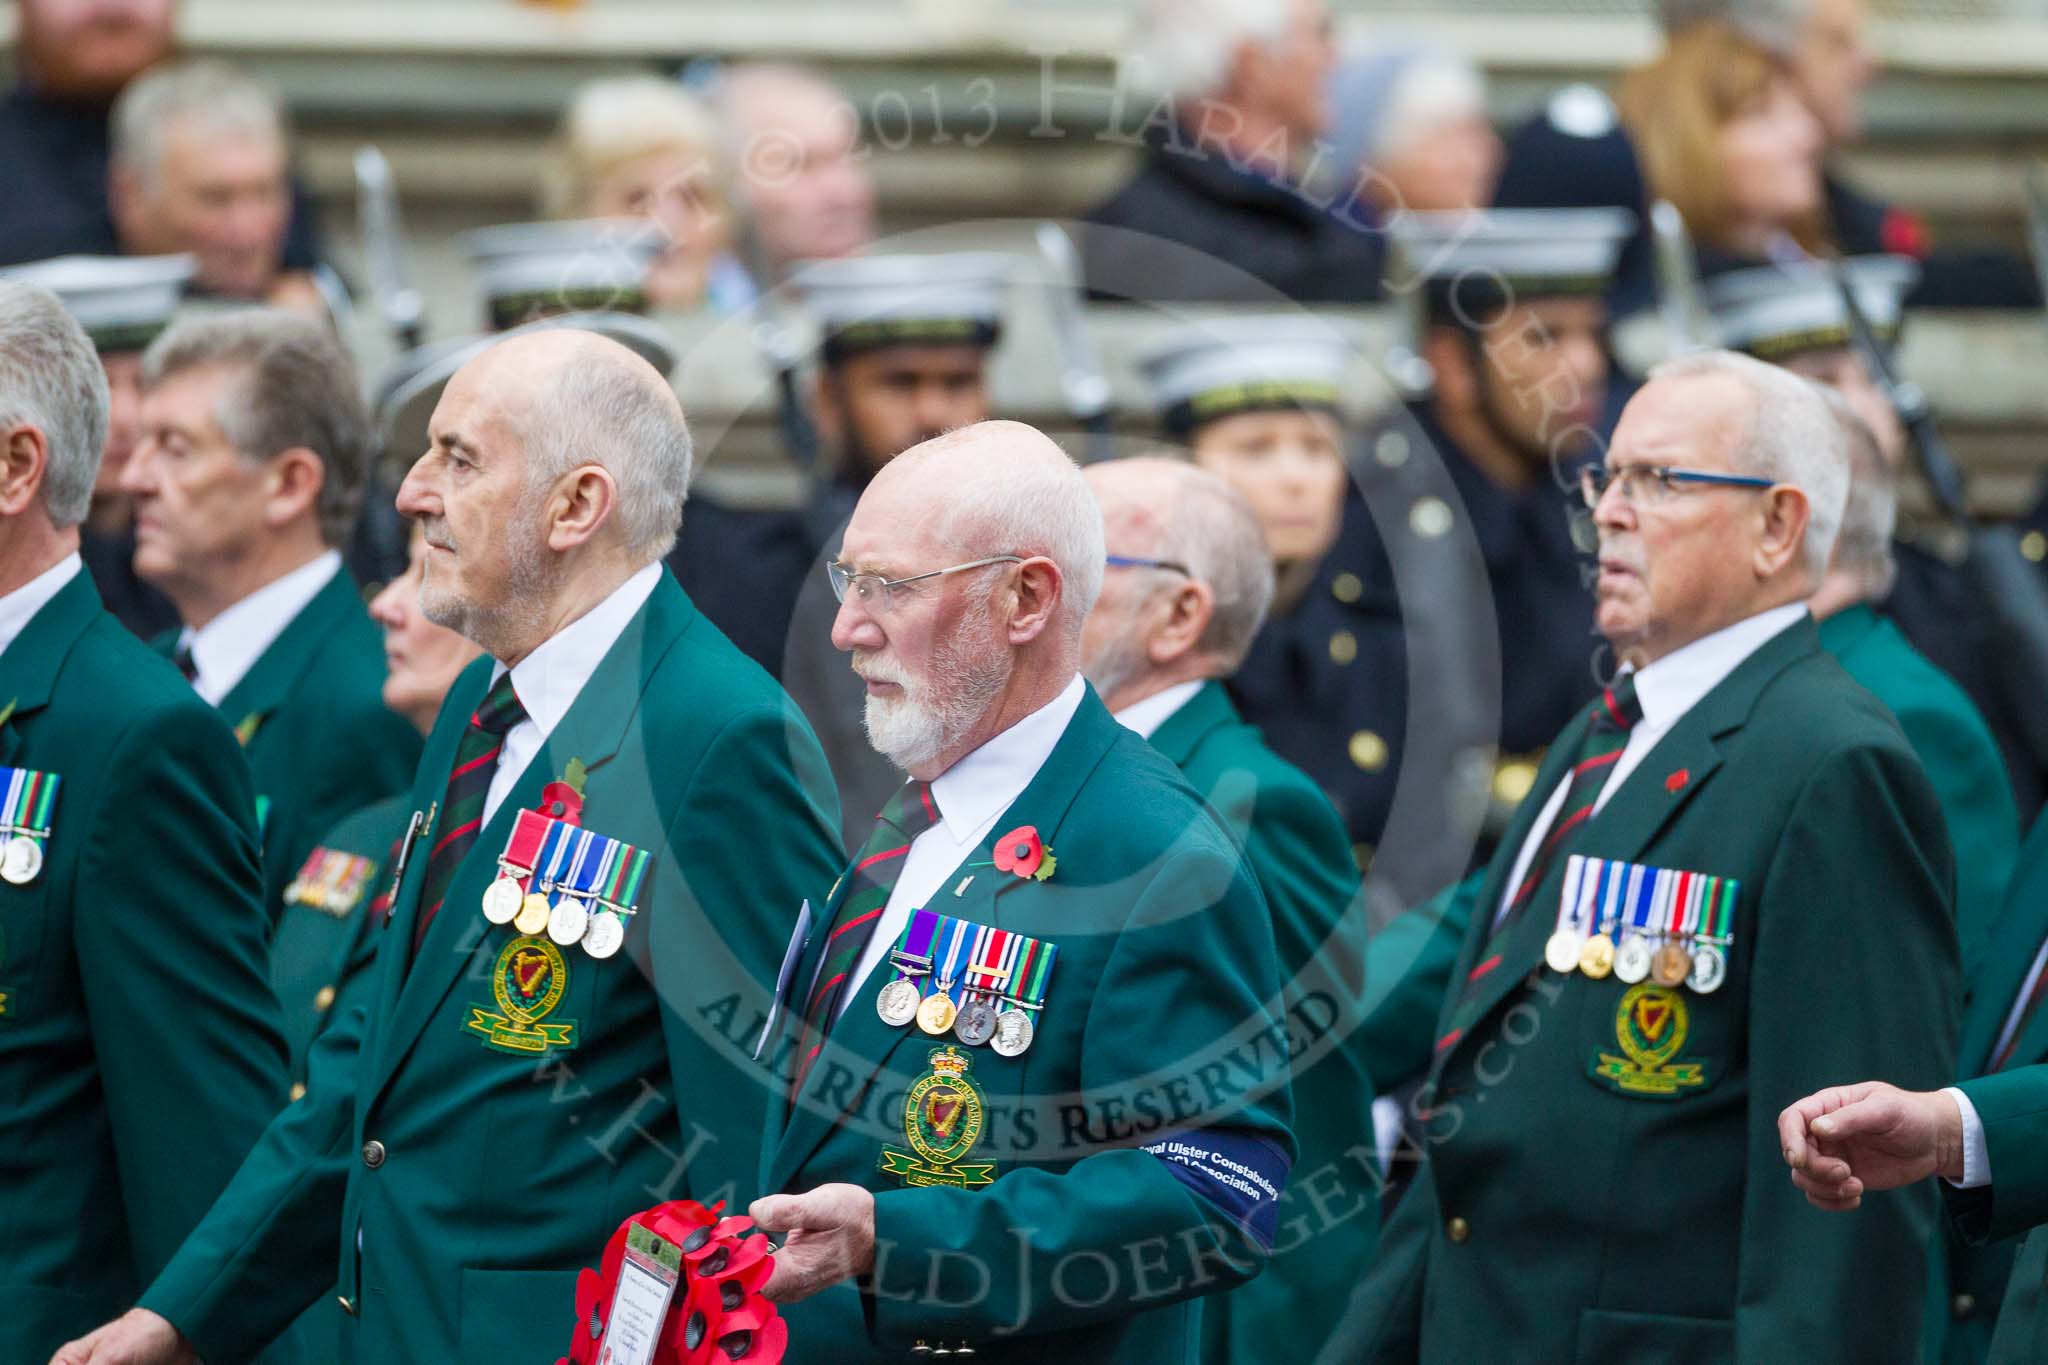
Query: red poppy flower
(1020, 851)
(717, 1313)
(560, 801)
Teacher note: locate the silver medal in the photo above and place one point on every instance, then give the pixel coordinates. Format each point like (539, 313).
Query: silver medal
(1709, 969)
(607, 932)
(568, 921)
(897, 1004)
(1013, 1033)
(501, 900)
(977, 1022)
(21, 861)
(1632, 959)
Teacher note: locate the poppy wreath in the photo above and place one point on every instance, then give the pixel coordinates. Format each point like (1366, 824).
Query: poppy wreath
(717, 1313)
(1022, 853)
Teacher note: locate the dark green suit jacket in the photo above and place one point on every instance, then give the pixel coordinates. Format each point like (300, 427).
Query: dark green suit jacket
(1561, 1219)
(320, 741)
(1981, 1271)
(1961, 758)
(1301, 858)
(461, 1187)
(139, 1048)
(1161, 1023)
(321, 955)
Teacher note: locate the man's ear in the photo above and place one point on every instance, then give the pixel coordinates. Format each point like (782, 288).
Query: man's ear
(1038, 591)
(24, 464)
(296, 478)
(1785, 514)
(581, 503)
(1188, 611)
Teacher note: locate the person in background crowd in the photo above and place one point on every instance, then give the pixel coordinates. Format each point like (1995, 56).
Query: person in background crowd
(644, 148)
(199, 163)
(1412, 122)
(804, 191)
(1723, 133)
(1221, 176)
(248, 476)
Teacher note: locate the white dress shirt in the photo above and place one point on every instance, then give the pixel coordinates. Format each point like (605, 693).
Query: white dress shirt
(19, 607)
(1666, 690)
(549, 680)
(1154, 711)
(970, 796)
(228, 646)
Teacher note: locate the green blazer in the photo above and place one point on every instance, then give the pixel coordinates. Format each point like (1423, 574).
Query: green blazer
(1980, 1260)
(1961, 758)
(321, 955)
(1301, 858)
(1161, 1027)
(454, 1190)
(1567, 1211)
(139, 1047)
(311, 716)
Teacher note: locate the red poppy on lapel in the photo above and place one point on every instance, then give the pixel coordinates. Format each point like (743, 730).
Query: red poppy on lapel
(1677, 780)
(1024, 854)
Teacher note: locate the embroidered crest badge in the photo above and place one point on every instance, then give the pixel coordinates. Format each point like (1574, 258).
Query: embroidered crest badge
(943, 1117)
(1650, 1028)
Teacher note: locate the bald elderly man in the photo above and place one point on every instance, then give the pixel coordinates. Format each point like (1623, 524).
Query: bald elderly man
(1038, 1095)
(1186, 587)
(515, 1089)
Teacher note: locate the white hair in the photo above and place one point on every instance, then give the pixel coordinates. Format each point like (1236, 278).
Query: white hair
(1871, 515)
(1774, 24)
(1185, 47)
(224, 99)
(1437, 89)
(51, 379)
(612, 409)
(1034, 504)
(1793, 437)
(615, 121)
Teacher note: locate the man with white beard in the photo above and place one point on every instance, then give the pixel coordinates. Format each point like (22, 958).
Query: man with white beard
(1088, 1131)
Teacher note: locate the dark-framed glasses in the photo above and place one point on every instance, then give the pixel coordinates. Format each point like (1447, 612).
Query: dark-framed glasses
(879, 594)
(1139, 562)
(1645, 485)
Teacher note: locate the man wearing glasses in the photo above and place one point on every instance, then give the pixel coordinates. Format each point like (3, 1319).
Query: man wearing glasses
(1730, 885)
(1072, 1187)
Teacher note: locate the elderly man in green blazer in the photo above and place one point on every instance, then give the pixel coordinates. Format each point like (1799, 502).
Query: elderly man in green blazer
(1730, 879)
(1189, 578)
(1038, 1090)
(139, 1044)
(649, 807)
(255, 447)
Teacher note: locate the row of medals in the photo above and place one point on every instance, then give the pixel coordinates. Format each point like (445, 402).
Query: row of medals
(1702, 968)
(21, 858)
(568, 921)
(1008, 1031)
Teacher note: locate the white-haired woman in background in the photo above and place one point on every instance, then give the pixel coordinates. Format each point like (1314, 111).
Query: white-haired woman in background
(1411, 120)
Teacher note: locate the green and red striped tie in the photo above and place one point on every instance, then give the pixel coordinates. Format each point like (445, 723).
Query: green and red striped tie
(910, 812)
(462, 806)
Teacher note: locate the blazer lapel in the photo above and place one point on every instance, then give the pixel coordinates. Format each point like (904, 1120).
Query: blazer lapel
(29, 666)
(271, 679)
(859, 1041)
(592, 730)
(1181, 733)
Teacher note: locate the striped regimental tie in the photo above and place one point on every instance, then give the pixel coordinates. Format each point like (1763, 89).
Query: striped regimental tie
(462, 806)
(910, 812)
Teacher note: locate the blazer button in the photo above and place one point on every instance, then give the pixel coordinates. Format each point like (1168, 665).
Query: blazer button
(347, 1305)
(298, 1090)
(373, 1154)
(323, 1000)
(1964, 1306)
(1458, 1230)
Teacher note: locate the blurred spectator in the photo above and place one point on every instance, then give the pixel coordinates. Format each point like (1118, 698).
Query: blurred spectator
(642, 147)
(72, 58)
(792, 139)
(1243, 89)
(1722, 132)
(1412, 121)
(199, 166)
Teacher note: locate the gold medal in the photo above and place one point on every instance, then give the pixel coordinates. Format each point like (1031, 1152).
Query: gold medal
(1671, 965)
(501, 900)
(937, 1013)
(1562, 951)
(533, 915)
(1596, 959)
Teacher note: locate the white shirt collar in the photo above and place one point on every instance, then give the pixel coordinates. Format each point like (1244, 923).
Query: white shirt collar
(1671, 686)
(549, 679)
(19, 607)
(1148, 715)
(978, 788)
(228, 646)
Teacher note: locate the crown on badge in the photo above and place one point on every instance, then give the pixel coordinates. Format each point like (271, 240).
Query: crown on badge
(948, 1063)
